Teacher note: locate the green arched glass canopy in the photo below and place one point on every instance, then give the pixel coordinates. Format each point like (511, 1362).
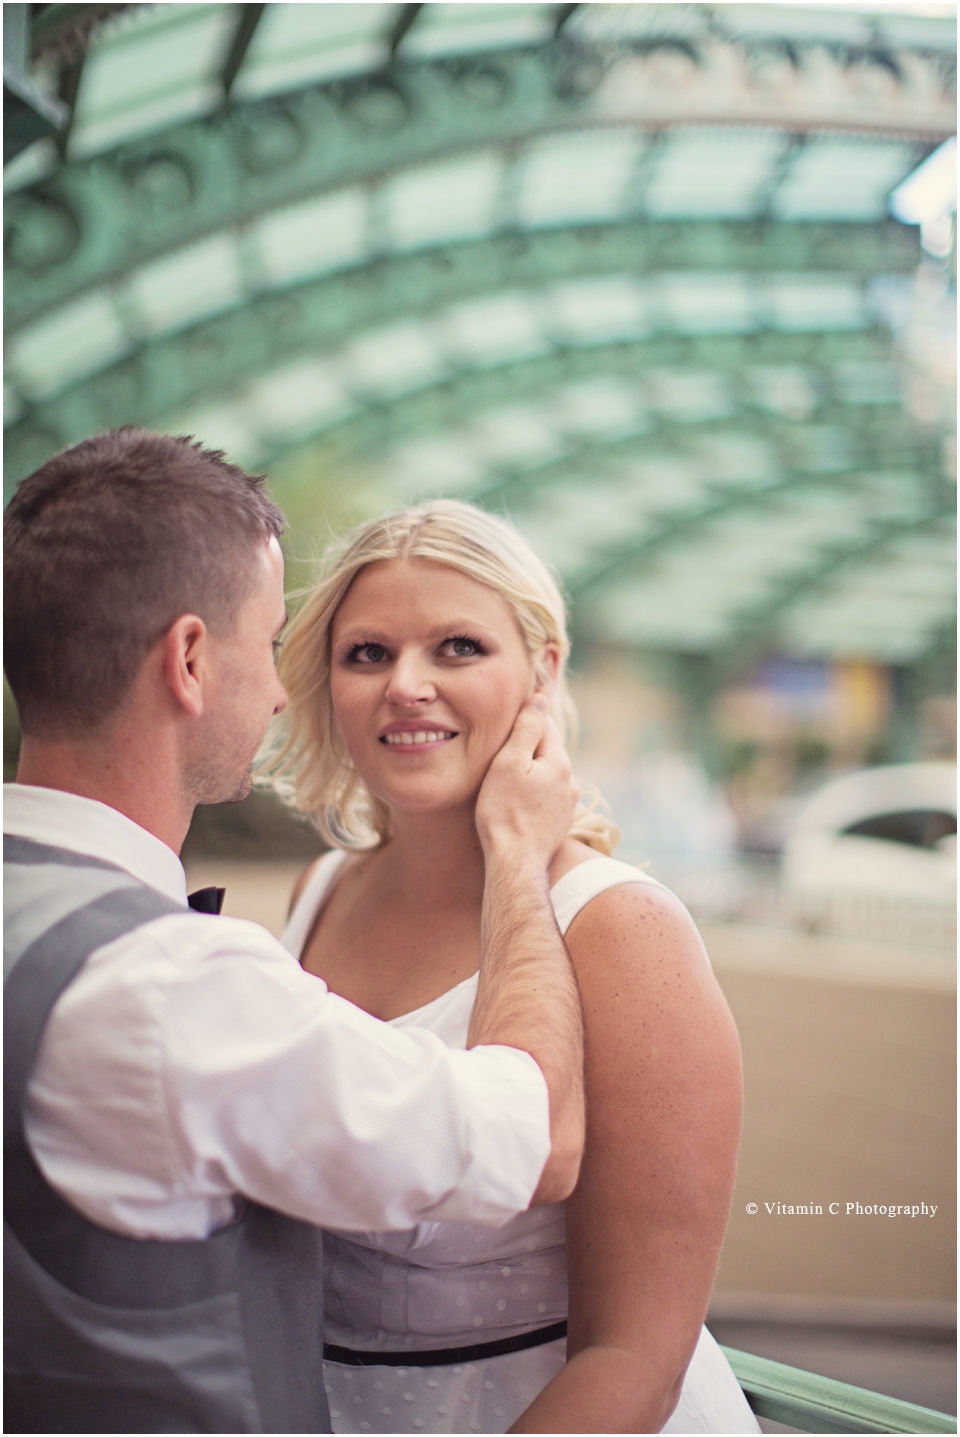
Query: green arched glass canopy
(624, 271)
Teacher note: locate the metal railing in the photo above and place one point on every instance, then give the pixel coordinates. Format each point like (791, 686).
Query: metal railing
(810, 1403)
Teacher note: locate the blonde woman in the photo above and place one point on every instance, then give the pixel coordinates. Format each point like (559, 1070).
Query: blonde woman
(406, 668)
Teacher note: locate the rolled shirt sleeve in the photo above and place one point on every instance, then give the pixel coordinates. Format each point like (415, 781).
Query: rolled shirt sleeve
(225, 1069)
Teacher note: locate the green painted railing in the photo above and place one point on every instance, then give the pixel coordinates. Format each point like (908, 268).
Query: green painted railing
(819, 1404)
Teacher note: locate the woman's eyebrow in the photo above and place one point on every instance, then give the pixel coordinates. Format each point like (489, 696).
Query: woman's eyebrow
(361, 630)
(449, 626)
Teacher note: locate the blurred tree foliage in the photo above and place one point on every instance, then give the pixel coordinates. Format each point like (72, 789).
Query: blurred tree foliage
(261, 827)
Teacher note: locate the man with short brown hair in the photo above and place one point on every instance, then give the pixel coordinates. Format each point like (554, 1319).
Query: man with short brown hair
(183, 1104)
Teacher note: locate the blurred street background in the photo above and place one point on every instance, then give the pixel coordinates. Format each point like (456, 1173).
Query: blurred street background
(673, 286)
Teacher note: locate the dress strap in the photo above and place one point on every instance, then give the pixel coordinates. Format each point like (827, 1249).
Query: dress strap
(578, 885)
(315, 893)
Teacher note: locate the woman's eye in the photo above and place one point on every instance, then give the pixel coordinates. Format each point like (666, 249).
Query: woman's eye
(463, 648)
(368, 654)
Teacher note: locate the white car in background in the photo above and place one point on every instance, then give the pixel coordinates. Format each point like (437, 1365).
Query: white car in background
(887, 834)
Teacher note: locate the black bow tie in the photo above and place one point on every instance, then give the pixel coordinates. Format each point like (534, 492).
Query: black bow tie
(207, 900)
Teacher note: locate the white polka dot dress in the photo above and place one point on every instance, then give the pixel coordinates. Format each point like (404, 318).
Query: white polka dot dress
(447, 1285)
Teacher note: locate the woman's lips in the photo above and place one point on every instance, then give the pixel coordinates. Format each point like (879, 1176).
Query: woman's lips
(418, 738)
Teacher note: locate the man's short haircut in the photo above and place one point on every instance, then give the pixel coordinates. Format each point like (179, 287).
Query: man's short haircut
(105, 546)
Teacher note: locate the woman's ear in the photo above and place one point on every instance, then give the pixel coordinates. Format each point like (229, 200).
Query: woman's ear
(546, 667)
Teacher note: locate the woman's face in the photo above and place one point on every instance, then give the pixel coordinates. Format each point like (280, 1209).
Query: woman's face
(428, 673)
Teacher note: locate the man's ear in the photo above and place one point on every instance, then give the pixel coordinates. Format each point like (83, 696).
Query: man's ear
(186, 655)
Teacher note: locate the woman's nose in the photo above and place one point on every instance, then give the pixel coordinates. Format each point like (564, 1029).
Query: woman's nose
(410, 682)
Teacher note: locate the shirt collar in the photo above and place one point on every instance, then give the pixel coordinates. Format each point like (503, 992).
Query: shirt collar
(83, 825)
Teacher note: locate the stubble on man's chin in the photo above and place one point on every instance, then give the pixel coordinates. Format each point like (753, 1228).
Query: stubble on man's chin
(205, 788)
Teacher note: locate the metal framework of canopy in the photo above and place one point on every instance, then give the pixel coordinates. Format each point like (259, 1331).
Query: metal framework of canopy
(616, 269)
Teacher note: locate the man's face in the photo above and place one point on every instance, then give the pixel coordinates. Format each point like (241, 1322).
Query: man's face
(243, 691)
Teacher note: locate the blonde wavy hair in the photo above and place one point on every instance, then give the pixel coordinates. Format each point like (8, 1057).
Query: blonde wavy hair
(306, 761)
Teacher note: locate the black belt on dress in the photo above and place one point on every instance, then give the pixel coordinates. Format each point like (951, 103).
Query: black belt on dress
(446, 1355)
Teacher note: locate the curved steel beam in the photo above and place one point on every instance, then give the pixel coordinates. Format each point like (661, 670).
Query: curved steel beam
(99, 218)
(757, 626)
(872, 436)
(332, 307)
(246, 27)
(216, 356)
(509, 486)
(933, 505)
(757, 629)
(222, 362)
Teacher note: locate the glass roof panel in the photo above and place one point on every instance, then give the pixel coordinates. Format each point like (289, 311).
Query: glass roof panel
(295, 45)
(576, 177)
(929, 551)
(709, 303)
(455, 200)
(148, 68)
(925, 31)
(492, 331)
(314, 237)
(393, 361)
(602, 405)
(928, 584)
(192, 284)
(822, 448)
(516, 436)
(442, 29)
(660, 483)
(652, 613)
(816, 302)
(568, 526)
(222, 426)
(12, 404)
(687, 395)
(597, 311)
(76, 340)
(783, 389)
(839, 178)
(802, 22)
(734, 557)
(859, 25)
(442, 464)
(827, 624)
(797, 522)
(622, 22)
(712, 172)
(867, 381)
(894, 494)
(299, 399)
(32, 164)
(736, 458)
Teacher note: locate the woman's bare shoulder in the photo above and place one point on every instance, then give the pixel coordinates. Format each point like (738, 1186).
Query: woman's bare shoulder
(636, 927)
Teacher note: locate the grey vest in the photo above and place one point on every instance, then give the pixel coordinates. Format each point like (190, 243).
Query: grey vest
(107, 1333)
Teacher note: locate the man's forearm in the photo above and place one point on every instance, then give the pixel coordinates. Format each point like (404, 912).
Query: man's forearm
(527, 998)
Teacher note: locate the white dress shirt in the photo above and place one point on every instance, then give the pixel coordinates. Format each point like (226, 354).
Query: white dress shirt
(193, 1059)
